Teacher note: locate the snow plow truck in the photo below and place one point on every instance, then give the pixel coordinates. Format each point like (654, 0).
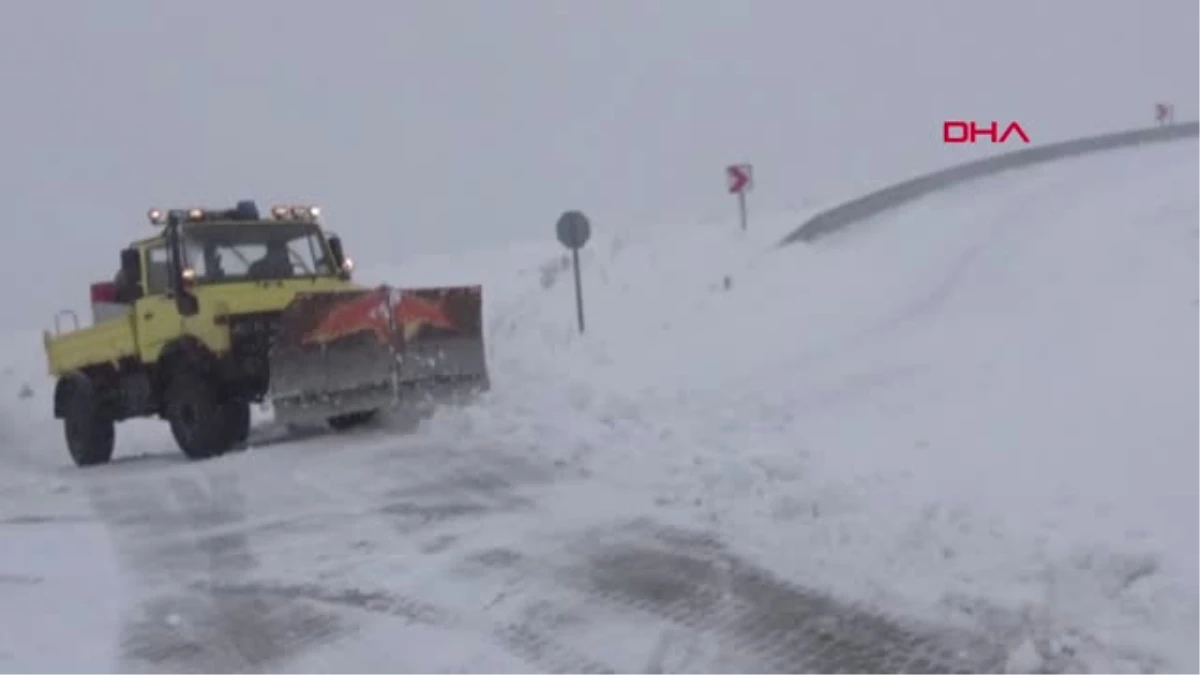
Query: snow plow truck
(224, 308)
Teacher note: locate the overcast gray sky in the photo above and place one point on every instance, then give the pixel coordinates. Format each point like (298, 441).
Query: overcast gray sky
(431, 125)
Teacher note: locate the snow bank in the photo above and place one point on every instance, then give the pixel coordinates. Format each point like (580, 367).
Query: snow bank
(981, 407)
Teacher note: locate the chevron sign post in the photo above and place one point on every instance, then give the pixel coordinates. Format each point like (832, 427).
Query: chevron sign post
(740, 180)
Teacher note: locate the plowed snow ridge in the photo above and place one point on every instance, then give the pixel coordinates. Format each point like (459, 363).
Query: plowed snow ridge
(962, 435)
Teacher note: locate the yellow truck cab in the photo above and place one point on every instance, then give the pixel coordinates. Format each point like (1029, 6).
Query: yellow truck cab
(183, 331)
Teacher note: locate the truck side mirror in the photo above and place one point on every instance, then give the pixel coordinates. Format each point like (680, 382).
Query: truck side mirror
(131, 265)
(343, 264)
(335, 247)
(185, 302)
(129, 281)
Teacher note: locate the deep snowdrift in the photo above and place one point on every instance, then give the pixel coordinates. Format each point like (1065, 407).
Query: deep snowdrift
(984, 404)
(981, 408)
(979, 405)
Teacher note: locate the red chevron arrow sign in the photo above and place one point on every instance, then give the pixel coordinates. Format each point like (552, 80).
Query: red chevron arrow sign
(740, 178)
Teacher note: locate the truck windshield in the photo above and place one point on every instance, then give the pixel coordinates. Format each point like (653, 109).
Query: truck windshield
(240, 251)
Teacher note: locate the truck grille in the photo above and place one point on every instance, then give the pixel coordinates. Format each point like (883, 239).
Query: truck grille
(251, 335)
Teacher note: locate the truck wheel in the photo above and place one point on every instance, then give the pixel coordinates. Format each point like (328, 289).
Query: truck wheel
(351, 420)
(197, 415)
(90, 433)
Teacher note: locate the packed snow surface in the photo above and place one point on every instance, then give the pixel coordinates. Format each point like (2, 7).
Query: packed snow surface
(960, 435)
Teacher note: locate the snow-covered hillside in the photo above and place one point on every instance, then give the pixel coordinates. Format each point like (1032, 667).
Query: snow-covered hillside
(960, 435)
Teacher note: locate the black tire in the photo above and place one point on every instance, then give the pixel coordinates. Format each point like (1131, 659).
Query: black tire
(199, 419)
(351, 420)
(90, 432)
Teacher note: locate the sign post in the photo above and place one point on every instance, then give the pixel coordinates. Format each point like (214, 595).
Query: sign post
(573, 231)
(740, 179)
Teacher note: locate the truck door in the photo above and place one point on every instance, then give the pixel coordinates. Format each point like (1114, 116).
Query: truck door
(157, 319)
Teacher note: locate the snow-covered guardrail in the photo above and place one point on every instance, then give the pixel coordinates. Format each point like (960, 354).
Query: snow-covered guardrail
(868, 205)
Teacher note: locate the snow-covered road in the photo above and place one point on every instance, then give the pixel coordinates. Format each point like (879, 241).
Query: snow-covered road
(961, 437)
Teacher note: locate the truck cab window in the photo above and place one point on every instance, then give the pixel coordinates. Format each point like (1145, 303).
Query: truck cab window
(222, 251)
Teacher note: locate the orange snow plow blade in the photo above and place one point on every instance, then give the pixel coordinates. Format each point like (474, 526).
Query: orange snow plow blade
(345, 352)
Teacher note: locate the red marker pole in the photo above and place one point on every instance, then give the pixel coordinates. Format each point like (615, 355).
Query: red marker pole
(741, 179)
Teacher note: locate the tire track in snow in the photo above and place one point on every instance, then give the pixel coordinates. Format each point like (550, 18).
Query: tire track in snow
(190, 541)
(755, 621)
(187, 538)
(444, 488)
(175, 626)
(535, 648)
(204, 606)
